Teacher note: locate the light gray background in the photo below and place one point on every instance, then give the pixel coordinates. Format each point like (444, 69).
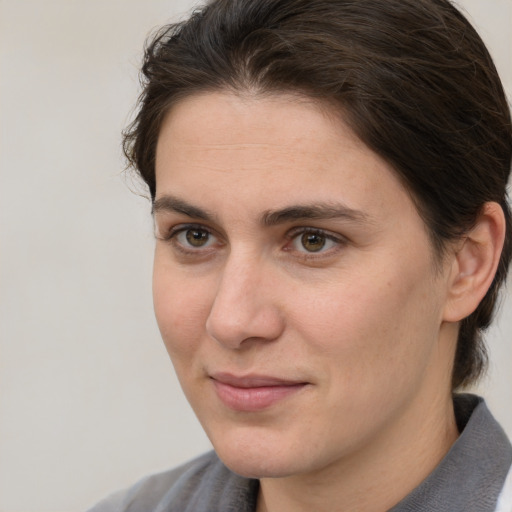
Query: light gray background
(88, 398)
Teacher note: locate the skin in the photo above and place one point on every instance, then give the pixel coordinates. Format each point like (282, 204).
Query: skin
(366, 322)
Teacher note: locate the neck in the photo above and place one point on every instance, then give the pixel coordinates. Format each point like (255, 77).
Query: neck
(376, 477)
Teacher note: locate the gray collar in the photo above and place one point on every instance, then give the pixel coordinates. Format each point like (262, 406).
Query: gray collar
(471, 475)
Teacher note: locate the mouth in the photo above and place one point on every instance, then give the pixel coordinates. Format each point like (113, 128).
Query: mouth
(253, 393)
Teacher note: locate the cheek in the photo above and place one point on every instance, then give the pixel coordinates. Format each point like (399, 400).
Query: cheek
(181, 310)
(371, 327)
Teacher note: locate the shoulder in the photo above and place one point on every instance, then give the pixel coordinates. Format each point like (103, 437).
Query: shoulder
(149, 491)
(194, 486)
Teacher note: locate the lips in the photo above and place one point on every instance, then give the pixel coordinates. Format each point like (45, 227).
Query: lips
(253, 393)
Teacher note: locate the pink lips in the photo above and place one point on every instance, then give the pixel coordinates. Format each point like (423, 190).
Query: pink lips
(253, 392)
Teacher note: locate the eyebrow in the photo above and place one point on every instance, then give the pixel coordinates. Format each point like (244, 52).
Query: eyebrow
(173, 204)
(316, 211)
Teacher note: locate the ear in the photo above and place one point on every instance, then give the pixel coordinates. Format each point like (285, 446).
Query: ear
(474, 263)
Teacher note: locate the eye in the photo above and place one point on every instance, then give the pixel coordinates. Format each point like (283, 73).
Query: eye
(194, 238)
(314, 241)
(190, 240)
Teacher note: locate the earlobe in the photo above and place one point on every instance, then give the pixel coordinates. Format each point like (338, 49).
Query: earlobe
(474, 264)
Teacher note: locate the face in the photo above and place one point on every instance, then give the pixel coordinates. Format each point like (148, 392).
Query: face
(294, 284)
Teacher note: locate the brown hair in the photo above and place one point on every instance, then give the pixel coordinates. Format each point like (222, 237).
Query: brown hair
(412, 78)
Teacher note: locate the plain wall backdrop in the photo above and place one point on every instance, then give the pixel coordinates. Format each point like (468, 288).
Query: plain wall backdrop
(88, 399)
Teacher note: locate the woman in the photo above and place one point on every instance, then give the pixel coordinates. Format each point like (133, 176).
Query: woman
(329, 193)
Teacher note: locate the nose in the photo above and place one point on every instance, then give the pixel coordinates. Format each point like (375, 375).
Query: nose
(245, 307)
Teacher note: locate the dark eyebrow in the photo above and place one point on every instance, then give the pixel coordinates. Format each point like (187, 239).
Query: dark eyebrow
(173, 204)
(269, 218)
(312, 212)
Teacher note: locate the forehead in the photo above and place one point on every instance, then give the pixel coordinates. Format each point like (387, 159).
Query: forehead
(267, 152)
(218, 124)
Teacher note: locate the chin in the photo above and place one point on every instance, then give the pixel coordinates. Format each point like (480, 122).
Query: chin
(250, 466)
(260, 456)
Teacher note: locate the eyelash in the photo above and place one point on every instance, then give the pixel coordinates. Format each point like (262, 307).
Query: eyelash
(291, 236)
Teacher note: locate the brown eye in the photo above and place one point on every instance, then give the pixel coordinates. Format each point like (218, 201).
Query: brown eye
(197, 237)
(194, 241)
(313, 242)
